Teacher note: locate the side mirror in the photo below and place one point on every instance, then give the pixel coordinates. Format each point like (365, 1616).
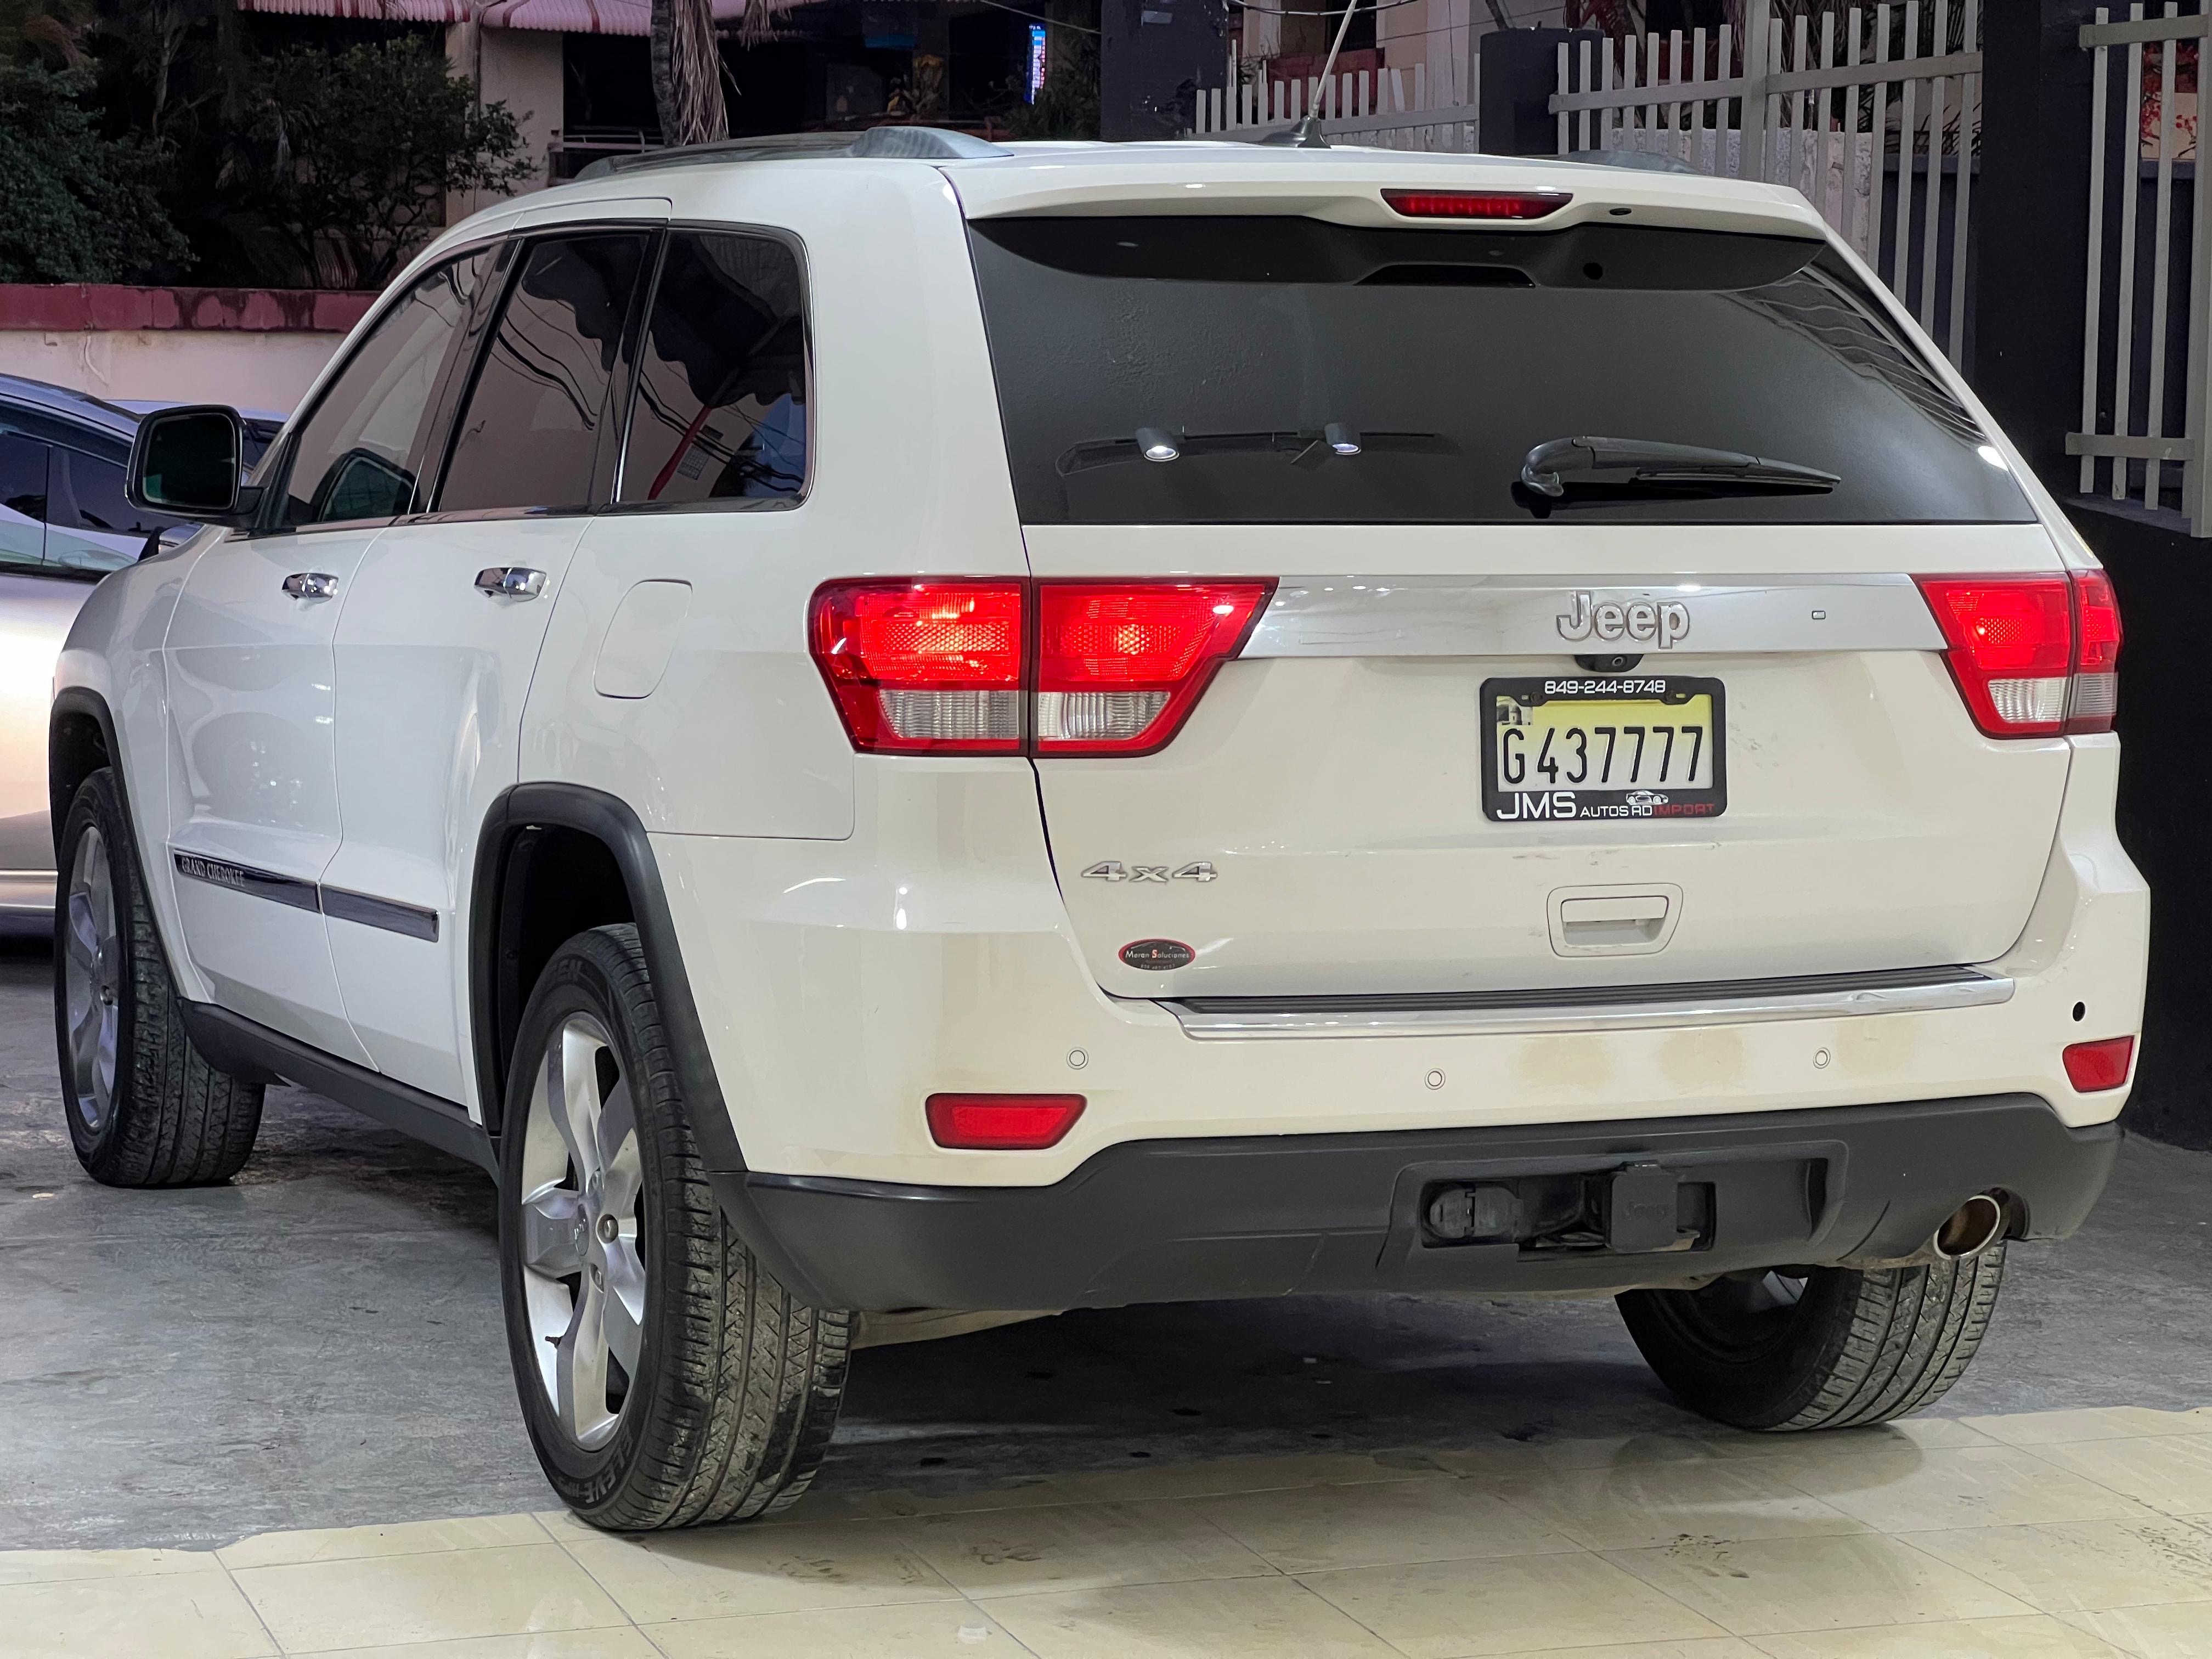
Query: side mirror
(185, 463)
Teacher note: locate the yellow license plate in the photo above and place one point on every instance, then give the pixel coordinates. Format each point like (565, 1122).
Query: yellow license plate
(1615, 746)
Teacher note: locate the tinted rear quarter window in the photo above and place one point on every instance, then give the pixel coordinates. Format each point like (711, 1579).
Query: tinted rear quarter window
(720, 412)
(529, 436)
(1444, 356)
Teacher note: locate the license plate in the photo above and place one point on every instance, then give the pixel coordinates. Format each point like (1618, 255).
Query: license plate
(1649, 746)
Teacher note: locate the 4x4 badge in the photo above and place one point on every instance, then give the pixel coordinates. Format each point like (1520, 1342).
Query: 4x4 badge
(1111, 870)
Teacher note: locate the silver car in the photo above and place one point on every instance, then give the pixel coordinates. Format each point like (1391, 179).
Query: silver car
(64, 524)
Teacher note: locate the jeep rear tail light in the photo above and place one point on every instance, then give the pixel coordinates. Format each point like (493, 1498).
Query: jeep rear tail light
(2095, 694)
(1001, 1123)
(1476, 203)
(2091, 1067)
(1119, 664)
(2011, 648)
(923, 666)
(973, 667)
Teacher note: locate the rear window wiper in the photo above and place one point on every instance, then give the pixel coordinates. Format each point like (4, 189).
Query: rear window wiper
(1633, 466)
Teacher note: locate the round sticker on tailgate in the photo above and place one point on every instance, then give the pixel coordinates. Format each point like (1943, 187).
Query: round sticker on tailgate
(1159, 954)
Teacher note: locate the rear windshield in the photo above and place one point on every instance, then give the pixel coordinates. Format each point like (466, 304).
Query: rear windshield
(1300, 371)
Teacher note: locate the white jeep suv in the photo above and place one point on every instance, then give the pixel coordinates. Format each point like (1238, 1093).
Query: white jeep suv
(910, 726)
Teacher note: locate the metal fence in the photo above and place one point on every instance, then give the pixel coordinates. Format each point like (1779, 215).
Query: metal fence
(2149, 271)
(1872, 114)
(1396, 108)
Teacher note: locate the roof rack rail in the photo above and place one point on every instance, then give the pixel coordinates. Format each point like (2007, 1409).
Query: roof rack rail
(904, 143)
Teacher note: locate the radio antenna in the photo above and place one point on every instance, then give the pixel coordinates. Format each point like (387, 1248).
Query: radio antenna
(1308, 134)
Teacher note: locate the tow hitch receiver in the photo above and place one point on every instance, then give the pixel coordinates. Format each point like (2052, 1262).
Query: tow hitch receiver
(1640, 1210)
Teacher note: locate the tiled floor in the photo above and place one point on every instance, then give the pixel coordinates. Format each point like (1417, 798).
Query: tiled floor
(2052, 1536)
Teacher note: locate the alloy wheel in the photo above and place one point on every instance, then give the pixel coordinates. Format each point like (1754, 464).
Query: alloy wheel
(583, 1265)
(92, 979)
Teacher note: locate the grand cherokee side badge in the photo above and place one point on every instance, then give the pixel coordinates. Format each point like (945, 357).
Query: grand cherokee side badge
(1158, 954)
(1111, 870)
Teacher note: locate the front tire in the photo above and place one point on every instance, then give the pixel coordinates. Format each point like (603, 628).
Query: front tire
(145, 1109)
(667, 1379)
(1818, 1348)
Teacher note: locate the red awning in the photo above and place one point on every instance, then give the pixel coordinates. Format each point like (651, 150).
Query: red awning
(559, 17)
(381, 11)
(589, 17)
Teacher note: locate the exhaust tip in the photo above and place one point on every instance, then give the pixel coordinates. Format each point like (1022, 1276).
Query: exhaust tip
(1973, 1227)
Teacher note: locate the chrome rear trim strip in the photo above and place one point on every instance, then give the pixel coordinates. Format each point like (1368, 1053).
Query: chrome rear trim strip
(1624, 1008)
(1519, 615)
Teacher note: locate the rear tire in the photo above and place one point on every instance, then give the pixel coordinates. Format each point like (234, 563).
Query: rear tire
(145, 1109)
(1833, 1350)
(666, 1377)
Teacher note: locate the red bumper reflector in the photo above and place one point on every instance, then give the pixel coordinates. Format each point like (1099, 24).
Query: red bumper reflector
(2093, 1065)
(1001, 1123)
(1477, 203)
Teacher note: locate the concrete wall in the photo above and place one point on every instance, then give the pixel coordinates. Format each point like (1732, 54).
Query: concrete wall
(253, 348)
(520, 68)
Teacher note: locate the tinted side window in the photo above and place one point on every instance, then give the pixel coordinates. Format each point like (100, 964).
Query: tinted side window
(360, 455)
(22, 501)
(85, 492)
(721, 398)
(530, 433)
(89, 525)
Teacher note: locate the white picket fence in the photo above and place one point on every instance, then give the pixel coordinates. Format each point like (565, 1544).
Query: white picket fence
(1393, 108)
(2142, 133)
(1828, 111)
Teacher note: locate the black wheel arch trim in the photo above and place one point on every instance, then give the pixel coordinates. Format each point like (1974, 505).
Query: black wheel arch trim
(80, 700)
(610, 820)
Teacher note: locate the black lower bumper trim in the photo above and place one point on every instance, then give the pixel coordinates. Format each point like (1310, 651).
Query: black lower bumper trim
(1274, 1215)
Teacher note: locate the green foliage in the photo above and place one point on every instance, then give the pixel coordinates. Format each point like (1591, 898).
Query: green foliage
(48, 31)
(75, 206)
(1066, 105)
(348, 156)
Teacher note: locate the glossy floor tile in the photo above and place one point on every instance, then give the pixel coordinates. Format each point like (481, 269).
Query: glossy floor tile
(2035, 1636)
(1768, 1585)
(1321, 1528)
(1082, 1546)
(718, 1572)
(1910, 1489)
(1448, 1609)
(390, 1599)
(2086, 1567)
(2061, 1535)
(1249, 1619)
(1648, 1506)
(185, 1615)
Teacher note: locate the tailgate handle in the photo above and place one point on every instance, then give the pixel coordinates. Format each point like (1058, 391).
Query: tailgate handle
(1613, 921)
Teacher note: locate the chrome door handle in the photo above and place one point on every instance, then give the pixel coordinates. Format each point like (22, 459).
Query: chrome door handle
(511, 581)
(312, 584)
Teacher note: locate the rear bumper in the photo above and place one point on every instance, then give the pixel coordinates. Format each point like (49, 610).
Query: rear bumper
(1274, 1215)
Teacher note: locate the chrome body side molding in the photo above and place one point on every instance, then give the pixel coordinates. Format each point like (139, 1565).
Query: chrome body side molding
(1520, 616)
(1611, 1008)
(336, 902)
